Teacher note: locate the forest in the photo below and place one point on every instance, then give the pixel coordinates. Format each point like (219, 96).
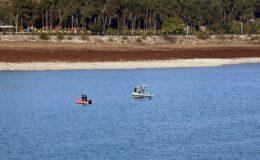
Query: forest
(133, 17)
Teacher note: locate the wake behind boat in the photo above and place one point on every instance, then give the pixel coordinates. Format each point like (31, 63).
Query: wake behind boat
(140, 93)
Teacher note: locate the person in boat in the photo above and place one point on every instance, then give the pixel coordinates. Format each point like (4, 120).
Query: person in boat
(85, 98)
(135, 89)
(82, 97)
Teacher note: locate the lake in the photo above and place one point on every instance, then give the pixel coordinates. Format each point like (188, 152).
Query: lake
(197, 113)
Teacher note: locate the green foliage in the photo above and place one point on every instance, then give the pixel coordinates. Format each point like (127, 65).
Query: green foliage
(173, 25)
(96, 29)
(202, 35)
(111, 31)
(171, 16)
(125, 31)
(235, 27)
(44, 36)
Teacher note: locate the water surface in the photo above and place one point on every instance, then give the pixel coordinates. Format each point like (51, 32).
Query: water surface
(197, 113)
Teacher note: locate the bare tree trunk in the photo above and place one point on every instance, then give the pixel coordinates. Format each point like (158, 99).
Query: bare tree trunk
(51, 21)
(133, 24)
(43, 21)
(46, 19)
(109, 21)
(72, 22)
(242, 27)
(118, 26)
(60, 17)
(16, 23)
(124, 22)
(154, 22)
(150, 20)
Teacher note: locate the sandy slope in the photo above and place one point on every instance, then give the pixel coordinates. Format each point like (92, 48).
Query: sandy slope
(124, 65)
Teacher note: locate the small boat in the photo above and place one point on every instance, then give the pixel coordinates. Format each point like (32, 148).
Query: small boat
(140, 93)
(80, 101)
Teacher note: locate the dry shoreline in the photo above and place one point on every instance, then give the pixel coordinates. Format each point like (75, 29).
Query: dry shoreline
(178, 63)
(61, 56)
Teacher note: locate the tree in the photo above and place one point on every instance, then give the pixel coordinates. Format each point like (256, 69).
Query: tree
(173, 25)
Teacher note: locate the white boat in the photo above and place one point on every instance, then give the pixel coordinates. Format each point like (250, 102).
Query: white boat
(140, 93)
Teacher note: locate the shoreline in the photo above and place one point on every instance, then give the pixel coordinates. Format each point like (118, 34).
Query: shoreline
(22, 56)
(175, 63)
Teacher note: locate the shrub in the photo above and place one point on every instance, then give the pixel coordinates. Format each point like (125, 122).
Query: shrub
(202, 35)
(111, 31)
(139, 40)
(44, 36)
(125, 38)
(60, 36)
(255, 38)
(97, 28)
(144, 37)
(83, 37)
(69, 38)
(126, 31)
(220, 37)
(110, 39)
(170, 39)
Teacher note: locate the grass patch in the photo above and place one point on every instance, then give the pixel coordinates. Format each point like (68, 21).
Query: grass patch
(125, 38)
(44, 36)
(170, 39)
(60, 36)
(139, 40)
(69, 38)
(83, 37)
(110, 40)
(202, 35)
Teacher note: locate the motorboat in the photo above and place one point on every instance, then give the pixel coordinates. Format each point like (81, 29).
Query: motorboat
(140, 93)
(83, 102)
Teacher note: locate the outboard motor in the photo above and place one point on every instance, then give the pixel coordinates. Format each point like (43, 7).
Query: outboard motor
(90, 102)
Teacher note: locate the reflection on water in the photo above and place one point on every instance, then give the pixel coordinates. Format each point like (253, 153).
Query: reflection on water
(197, 113)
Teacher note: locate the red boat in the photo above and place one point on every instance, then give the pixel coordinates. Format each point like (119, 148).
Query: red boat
(80, 101)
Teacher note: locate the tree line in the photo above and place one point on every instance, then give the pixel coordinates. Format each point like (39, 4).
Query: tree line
(134, 16)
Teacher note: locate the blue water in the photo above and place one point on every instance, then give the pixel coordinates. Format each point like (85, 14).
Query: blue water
(197, 113)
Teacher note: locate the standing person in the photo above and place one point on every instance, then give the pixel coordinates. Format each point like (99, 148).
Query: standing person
(85, 98)
(82, 97)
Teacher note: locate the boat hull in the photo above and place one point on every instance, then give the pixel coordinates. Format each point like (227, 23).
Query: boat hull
(79, 101)
(141, 95)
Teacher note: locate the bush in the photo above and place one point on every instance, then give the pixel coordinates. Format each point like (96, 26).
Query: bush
(111, 31)
(44, 36)
(221, 37)
(83, 37)
(126, 31)
(125, 38)
(96, 29)
(60, 36)
(202, 35)
(69, 38)
(255, 38)
(170, 39)
(110, 39)
(144, 37)
(139, 40)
